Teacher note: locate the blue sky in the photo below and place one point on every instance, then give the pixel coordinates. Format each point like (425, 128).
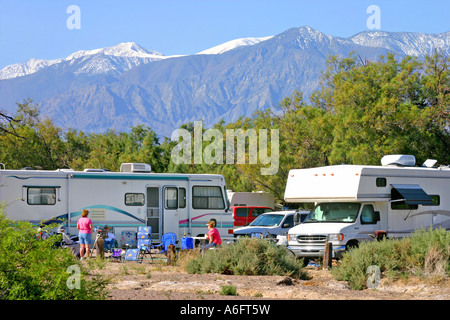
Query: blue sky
(37, 29)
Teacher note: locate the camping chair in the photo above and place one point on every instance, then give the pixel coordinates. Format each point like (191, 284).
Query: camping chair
(144, 242)
(132, 255)
(116, 255)
(167, 240)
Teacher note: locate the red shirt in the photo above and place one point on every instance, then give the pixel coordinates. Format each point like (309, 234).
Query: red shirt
(215, 236)
(84, 224)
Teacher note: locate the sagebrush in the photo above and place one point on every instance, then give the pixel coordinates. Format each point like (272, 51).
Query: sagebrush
(247, 257)
(426, 254)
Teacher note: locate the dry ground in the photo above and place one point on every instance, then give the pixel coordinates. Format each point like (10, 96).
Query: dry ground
(154, 280)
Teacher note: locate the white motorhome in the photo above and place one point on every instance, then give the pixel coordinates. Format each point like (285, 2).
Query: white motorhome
(353, 202)
(179, 203)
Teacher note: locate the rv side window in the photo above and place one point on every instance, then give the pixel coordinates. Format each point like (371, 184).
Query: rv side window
(41, 196)
(171, 198)
(368, 215)
(182, 198)
(436, 200)
(381, 182)
(134, 199)
(401, 205)
(207, 197)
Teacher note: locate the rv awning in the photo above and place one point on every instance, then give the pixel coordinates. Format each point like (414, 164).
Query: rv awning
(410, 193)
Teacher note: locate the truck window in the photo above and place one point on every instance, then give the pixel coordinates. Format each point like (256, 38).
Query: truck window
(289, 220)
(368, 215)
(242, 212)
(334, 212)
(258, 211)
(207, 197)
(41, 196)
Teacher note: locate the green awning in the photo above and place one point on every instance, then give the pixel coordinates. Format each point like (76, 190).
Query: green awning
(411, 194)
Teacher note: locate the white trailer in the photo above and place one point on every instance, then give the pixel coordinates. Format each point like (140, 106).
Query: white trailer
(179, 203)
(355, 201)
(251, 199)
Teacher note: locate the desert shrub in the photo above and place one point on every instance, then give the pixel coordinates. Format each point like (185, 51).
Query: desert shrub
(33, 269)
(228, 290)
(247, 257)
(426, 252)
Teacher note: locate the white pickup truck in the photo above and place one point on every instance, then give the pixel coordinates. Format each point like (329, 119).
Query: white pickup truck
(271, 224)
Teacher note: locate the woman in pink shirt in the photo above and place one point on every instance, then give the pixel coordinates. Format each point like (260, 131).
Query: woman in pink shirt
(213, 236)
(84, 225)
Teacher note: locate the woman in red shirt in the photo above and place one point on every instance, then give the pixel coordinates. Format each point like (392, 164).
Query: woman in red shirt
(213, 236)
(84, 225)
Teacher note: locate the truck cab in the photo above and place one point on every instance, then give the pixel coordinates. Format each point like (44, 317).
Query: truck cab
(344, 224)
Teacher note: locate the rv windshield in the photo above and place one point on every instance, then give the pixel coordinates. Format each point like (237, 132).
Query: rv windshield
(267, 220)
(334, 212)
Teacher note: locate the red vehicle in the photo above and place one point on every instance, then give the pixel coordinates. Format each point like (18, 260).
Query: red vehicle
(243, 215)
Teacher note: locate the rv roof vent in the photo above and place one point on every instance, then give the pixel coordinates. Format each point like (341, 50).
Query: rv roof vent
(429, 163)
(64, 170)
(94, 170)
(399, 160)
(135, 167)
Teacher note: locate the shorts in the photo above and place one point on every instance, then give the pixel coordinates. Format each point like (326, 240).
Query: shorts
(85, 238)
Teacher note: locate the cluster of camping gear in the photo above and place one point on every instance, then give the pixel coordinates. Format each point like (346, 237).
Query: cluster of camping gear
(143, 249)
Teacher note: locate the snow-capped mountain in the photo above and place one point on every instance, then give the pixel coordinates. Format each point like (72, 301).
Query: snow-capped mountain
(408, 43)
(116, 59)
(126, 85)
(233, 44)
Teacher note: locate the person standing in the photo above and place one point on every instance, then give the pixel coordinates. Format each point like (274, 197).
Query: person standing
(84, 226)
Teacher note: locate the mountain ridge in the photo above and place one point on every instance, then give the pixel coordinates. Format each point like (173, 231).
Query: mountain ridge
(97, 91)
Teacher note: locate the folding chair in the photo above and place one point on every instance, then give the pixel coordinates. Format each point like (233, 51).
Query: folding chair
(144, 242)
(132, 255)
(167, 240)
(116, 254)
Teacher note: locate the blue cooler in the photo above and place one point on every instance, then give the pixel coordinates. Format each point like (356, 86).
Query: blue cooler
(187, 243)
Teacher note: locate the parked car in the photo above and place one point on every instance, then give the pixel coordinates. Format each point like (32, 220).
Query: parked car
(243, 215)
(271, 224)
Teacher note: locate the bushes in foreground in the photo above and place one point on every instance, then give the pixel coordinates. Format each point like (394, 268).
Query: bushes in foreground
(33, 269)
(426, 253)
(247, 257)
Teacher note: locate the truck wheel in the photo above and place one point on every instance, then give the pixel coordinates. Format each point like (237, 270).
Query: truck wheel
(351, 245)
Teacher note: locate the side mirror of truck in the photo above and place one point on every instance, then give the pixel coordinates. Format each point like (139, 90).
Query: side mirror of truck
(376, 215)
(296, 218)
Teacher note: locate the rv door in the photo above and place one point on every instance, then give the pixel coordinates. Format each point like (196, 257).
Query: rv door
(153, 211)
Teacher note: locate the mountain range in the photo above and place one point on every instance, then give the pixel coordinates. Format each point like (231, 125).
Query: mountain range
(126, 85)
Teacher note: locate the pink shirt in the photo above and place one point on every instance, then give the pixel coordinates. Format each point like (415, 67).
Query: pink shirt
(84, 224)
(215, 236)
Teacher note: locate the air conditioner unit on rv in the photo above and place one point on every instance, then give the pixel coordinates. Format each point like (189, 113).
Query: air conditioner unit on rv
(135, 167)
(399, 160)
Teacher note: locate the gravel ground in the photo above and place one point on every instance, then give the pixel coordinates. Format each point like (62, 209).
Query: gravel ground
(157, 281)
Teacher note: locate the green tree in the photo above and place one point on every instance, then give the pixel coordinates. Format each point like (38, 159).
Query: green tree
(36, 142)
